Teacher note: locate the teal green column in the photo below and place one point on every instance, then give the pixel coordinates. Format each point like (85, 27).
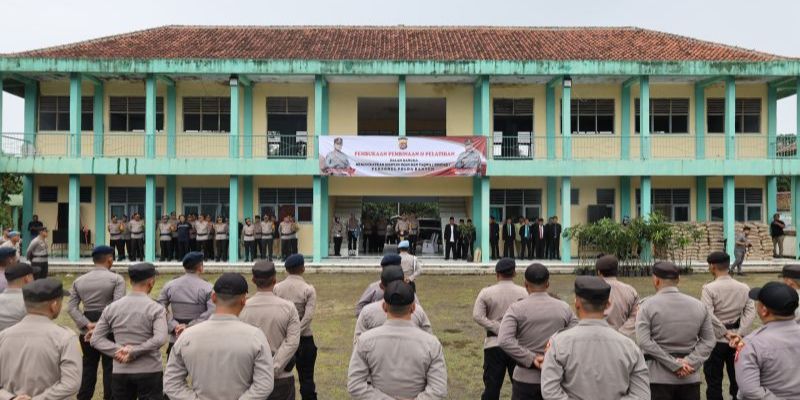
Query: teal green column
(401, 105)
(550, 121)
(150, 220)
(74, 219)
(31, 99)
(566, 122)
(98, 123)
(75, 115)
(172, 118)
(552, 196)
(566, 217)
(625, 136)
(171, 193)
(316, 217)
(100, 207)
(772, 121)
(701, 197)
(233, 143)
(729, 213)
(644, 116)
(247, 126)
(319, 209)
(27, 209)
(624, 197)
(481, 185)
(150, 118)
(233, 218)
(796, 205)
(325, 217)
(646, 193)
(247, 197)
(699, 122)
(319, 106)
(483, 235)
(730, 118)
(772, 197)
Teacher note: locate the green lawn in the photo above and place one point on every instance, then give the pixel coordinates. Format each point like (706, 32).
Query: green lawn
(448, 301)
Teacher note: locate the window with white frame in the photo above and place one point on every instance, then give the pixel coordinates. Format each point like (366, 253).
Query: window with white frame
(673, 204)
(130, 200)
(54, 113)
(747, 120)
(516, 203)
(127, 114)
(606, 197)
(747, 208)
(280, 202)
(206, 201)
(207, 114)
(592, 116)
(666, 116)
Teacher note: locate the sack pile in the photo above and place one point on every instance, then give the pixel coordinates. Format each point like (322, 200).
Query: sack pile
(713, 239)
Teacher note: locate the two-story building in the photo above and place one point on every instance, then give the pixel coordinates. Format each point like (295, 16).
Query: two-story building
(580, 123)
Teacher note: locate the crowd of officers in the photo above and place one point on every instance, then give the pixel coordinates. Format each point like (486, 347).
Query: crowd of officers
(374, 233)
(224, 345)
(179, 235)
(528, 238)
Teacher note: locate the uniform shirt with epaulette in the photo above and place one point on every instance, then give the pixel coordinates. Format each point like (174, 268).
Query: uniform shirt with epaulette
(412, 266)
(766, 367)
(188, 297)
(296, 290)
(730, 307)
(37, 250)
(96, 289)
(12, 307)
(624, 304)
(136, 229)
(373, 316)
(279, 321)
(491, 305)
(221, 231)
(40, 359)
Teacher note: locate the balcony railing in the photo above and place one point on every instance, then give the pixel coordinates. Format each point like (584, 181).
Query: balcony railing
(187, 145)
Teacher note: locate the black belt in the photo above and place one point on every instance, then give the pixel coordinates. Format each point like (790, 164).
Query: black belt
(733, 325)
(92, 316)
(183, 321)
(648, 357)
(490, 334)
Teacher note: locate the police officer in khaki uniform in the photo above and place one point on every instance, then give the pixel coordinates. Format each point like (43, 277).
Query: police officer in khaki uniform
(732, 312)
(136, 228)
(139, 326)
(259, 250)
(624, 298)
(29, 369)
(249, 240)
(279, 321)
(412, 266)
(165, 229)
(12, 304)
(488, 311)
(220, 240)
(337, 233)
(96, 289)
(187, 297)
(526, 328)
(8, 257)
(115, 237)
(397, 360)
(304, 297)
(766, 367)
(373, 292)
(676, 335)
(38, 254)
(226, 341)
(791, 277)
(593, 360)
(373, 315)
(268, 234)
(203, 229)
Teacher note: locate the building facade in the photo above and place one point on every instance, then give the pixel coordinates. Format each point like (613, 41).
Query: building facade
(225, 121)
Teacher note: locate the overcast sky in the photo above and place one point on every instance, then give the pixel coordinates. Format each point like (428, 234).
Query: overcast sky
(769, 26)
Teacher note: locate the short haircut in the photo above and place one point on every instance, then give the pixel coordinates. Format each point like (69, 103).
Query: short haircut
(722, 265)
(98, 258)
(593, 306)
(399, 310)
(507, 274)
(37, 305)
(262, 283)
(228, 300)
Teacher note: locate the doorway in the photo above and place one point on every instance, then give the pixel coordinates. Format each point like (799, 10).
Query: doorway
(379, 217)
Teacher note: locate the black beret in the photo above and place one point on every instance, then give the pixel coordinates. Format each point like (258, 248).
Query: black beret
(718, 257)
(592, 288)
(666, 270)
(141, 271)
(6, 253)
(43, 290)
(102, 249)
(537, 273)
(192, 259)
(505, 265)
(779, 297)
(17, 271)
(294, 261)
(264, 269)
(391, 273)
(606, 264)
(390, 259)
(398, 293)
(791, 271)
(230, 283)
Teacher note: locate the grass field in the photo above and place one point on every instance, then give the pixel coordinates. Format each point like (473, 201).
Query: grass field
(448, 300)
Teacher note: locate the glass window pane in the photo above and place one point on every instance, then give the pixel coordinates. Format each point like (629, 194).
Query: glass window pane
(514, 212)
(587, 123)
(660, 124)
(304, 213)
(136, 122)
(268, 210)
(118, 122)
(117, 210)
(681, 214)
(752, 124)
(87, 122)
(754, 213)
(532, 212)
(637, 125)
(191, 122)
(574, 123)
(159, 122)
(680, 124)
(63, 122)
(211, 123)
(605, 123)
(716, 124)
(47, 121)
(225, 123)
(739, 214)
(497, 213)
(716, 213)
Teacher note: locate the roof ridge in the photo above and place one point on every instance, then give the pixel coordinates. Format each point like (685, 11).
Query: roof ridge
(93, 40)
(711, 42)
(404, 26)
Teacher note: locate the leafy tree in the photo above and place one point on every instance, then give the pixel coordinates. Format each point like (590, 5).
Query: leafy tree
(9, 184)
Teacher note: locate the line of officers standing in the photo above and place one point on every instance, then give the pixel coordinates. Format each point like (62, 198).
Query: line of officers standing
(179, 235)
(222, 345)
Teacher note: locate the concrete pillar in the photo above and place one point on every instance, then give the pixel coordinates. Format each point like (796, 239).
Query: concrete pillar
(401, 105)
(730, 118)
(701, 196)
(75, 115)
(550, 119)
(772, 197)
(150, 122)
(566, 125)
(566, 217)
(700, 122)
(646, 193)
(248, 121)
(552, 196)
(100, 206)
(172, 118)
(74, 219)
(320, 248)
(729, 213)
(150, 219)
(171, 193)
(247, 198)
(644, 116)
(624, 197)
(98, 121)
(233, 219)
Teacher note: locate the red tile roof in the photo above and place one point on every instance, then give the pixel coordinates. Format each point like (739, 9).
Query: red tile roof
(400, 43)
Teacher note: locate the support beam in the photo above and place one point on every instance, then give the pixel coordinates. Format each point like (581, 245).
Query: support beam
(646, 203)
(98, 121)
(644, 117)
(701, 197)
(552, 196)
(319, 100)
(247, 126)
(75, 81)
(171, 193)
(316, 217)
(100, 207)
(167, 80)
(74, 219)
(27, 209)
(247, 198)
(624, 197)
(172, 118)
(566, 217)
(150, 219)
(483, 234)
(772, 196)
(401, 105)
(233, 142)
(91, 78)
(729, 213)
(233, 218)
(150, 119)
(730, 118)
(625, 137)
(484, 103)
(566, 123)
(550, 117)
(772, 122)
(699, 121)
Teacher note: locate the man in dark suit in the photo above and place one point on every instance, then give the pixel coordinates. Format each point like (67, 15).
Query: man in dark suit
(539, 239)
(494, 238)
(526, 234)
(451, 239)
(508, 239)
(553, 239)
